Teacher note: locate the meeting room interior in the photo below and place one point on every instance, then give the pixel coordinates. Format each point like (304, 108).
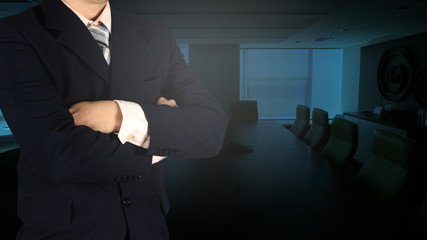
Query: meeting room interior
(327, 108)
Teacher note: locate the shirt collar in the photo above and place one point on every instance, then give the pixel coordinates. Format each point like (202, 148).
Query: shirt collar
(104, 17)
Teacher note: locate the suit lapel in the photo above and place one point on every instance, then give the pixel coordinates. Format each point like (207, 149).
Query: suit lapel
(74, 35)
(127, 43)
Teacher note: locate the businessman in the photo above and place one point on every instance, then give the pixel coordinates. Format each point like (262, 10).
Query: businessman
(96, 99)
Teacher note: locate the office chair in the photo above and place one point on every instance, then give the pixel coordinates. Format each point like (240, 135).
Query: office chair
(342, 143)
(302, 121)
(389, 167)
(318, 134)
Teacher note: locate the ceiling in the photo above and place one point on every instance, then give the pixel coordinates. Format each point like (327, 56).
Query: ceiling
(275, 23)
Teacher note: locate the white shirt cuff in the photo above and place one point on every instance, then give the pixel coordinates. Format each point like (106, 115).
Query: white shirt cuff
(134, 128)
(157, 159)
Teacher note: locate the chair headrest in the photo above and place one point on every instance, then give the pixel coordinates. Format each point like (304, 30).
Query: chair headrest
(303, 112)
(398, 149)
(345, 130)
(320, 117)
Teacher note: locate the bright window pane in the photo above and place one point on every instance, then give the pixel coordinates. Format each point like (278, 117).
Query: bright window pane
(4, 129)
(280, 79)
(184, 51)
(276, 78)
(327, 80)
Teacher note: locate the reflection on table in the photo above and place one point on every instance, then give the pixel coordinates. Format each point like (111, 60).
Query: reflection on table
(281, 189)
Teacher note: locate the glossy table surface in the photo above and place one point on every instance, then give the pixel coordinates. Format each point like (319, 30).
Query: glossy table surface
(283, 189)
(7, 143)
(265, 184)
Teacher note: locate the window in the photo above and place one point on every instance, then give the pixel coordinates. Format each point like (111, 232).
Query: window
(279, 79)
(4, 129)
(184, 51)
(327, 80)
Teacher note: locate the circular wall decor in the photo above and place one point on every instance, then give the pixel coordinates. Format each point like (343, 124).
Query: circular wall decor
(394, 74)
(420, 87)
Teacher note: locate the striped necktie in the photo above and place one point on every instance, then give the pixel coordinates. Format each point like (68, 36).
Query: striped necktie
(101, 35)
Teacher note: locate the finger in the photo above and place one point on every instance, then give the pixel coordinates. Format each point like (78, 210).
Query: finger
(72, 109)
(161, 101)
(77, 106)
(76, 119)
(168, 102)
(172, 103)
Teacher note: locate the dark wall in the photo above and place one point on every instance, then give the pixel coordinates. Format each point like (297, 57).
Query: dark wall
(389, 55)
(218, 66)
(369, 95)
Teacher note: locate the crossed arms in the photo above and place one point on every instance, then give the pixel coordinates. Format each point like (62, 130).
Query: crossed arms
(104, 116)
(58, 151)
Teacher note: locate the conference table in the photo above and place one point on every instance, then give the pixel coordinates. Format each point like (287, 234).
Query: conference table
(265, 184)
(268, 184)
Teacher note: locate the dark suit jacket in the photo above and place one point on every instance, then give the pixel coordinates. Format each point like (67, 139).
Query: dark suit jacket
(76, 183)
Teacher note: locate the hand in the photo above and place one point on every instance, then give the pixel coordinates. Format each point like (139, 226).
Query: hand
(103, 116)
(164, 101)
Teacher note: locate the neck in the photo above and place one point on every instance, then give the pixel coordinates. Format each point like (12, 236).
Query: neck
(90, 9)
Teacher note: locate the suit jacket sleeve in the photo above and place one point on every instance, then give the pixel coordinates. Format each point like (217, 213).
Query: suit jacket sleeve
(58, 151)
(197, 127)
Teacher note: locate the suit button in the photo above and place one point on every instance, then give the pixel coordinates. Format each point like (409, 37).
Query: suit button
(127, 201)
(160, 150)
(120, 178)
(175, 151)
(135, 178)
